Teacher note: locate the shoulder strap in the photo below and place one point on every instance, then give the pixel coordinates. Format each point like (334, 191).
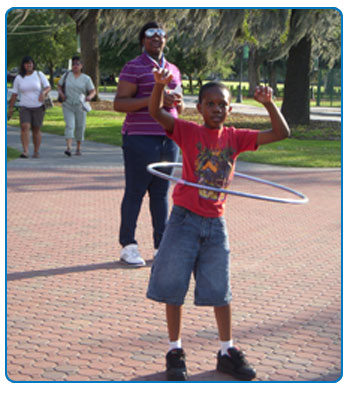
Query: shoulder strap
(41, 82)
(64, 79)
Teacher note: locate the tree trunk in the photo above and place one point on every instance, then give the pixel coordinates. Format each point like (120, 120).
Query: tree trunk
(50, 66)
(190, 83)
(272, 78)
(253, 71)
(296, 101)
(88, 33)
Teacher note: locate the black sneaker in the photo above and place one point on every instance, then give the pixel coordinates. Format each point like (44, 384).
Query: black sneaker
(235, 365)
(175, 365)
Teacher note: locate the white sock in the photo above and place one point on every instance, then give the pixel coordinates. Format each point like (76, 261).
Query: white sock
(175, 344)
(225, 345)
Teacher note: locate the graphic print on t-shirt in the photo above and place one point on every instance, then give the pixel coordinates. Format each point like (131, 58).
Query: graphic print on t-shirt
(213, 167)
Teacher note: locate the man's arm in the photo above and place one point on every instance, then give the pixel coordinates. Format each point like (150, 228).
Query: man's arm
(280, 129)
(164, 118)
(125, 101)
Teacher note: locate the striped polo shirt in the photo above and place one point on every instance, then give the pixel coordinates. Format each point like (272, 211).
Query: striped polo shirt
(139, 72)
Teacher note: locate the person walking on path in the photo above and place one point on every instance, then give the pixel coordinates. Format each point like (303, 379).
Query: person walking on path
(144, 140)
(74, 89)
(32, 87)
(196, 238)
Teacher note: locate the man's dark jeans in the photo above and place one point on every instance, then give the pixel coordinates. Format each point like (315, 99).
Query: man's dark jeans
(139, 151)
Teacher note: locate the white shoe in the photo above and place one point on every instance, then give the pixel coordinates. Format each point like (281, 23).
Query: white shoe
(130, 255)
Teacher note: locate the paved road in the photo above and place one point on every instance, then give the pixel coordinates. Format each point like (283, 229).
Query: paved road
(317, 113)
(75, 313)
(95, 154)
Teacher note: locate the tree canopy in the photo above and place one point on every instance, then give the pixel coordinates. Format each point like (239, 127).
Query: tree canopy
(46, 36)
(200, 41)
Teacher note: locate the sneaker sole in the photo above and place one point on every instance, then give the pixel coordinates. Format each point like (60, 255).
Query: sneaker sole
(132, 264)
(176, 376)
(235, 375)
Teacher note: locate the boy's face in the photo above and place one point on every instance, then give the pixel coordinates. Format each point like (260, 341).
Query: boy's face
(215, 107)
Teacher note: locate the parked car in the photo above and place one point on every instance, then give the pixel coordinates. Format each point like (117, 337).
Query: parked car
(11, 76)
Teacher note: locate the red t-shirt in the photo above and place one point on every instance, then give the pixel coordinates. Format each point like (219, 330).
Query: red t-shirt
(209, 158)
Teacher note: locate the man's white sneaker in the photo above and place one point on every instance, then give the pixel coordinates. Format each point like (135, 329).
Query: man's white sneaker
(130, 255)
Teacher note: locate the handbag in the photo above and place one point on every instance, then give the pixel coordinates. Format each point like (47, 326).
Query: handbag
(48, 100)
(63, 87)
(85, 105)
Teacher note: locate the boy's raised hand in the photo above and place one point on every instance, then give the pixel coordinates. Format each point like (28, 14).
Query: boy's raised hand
(162, 76)
(263, 94)
(280, 128)
(158, 99)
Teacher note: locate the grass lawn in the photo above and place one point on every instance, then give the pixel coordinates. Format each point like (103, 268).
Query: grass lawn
(105, 127)
(12, 153)
(233, 85)
(102, 126)
(245, 85)
(297, 153)
(316, 145)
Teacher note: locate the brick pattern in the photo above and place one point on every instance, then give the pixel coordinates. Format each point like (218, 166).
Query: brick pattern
(75, 313)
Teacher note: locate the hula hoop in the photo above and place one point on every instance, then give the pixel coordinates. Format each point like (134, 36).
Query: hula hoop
(151, 168)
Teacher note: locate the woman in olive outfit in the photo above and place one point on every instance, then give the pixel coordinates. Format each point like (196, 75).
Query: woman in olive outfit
(78, 87)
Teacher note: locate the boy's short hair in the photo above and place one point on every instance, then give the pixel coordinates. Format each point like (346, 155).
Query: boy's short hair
(209, 86)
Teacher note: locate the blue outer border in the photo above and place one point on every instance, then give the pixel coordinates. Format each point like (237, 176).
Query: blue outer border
(342, 195)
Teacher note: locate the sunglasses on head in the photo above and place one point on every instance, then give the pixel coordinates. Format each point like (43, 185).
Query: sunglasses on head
(153, 31)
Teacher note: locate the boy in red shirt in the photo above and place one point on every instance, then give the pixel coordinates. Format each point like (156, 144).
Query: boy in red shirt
(196, 238)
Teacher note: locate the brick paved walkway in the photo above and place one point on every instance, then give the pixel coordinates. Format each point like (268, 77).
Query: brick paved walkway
(75, 313)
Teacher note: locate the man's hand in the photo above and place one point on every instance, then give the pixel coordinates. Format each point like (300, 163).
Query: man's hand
(171, 99)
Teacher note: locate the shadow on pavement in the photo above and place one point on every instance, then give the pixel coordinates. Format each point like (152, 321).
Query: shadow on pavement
(71, 269)
(208, 376)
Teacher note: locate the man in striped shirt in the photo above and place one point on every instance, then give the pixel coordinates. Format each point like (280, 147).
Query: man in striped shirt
(144, 140)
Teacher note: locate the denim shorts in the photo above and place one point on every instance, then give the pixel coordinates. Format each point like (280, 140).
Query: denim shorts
(192, 243)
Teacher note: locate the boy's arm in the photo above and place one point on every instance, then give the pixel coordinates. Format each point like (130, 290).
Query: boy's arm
(164, 118)
(280, 129)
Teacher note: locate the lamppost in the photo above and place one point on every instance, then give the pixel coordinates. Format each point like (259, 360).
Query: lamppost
(319, 81)
(244, 56)
(78, 51)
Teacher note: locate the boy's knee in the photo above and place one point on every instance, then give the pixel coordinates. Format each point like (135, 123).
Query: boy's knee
(217, 297)
(168, 290)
